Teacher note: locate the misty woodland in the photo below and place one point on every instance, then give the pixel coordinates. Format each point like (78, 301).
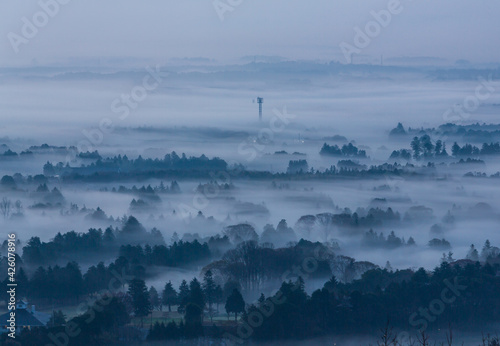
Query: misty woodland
(232, 172)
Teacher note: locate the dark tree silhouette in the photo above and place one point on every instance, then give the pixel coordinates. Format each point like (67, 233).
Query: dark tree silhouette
(154, 299)
(195, 304)
(169, 296)
(235, 303)
(140, 298)
(209, 289)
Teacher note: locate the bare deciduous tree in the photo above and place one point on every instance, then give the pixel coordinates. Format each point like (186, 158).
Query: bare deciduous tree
(343, 267)
(19, 207)
(387, 337)
(5, 207)
(423, 338)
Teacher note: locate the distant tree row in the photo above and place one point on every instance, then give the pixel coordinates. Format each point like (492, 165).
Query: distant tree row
(93, 241)
(424, 148)
(471, 132)
(120, 163)
(297, 167)
(326, 223)
(176, 255)
(468, 149)
(373, 239)
(347, 150)
(488, 252)
(146, 191)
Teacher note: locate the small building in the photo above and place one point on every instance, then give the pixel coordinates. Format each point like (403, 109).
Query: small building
(26, 317)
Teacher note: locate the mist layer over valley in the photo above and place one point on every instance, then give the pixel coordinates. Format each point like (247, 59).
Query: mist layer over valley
(167, 174)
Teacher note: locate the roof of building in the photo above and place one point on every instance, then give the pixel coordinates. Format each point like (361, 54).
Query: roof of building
(24, 318)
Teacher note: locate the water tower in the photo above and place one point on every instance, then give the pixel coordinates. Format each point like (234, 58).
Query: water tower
(260, 101)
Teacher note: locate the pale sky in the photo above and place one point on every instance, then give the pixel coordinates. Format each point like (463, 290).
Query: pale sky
(295, 29)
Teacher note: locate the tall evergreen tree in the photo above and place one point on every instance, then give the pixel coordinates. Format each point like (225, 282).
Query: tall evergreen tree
(235, 303)
(209, 289)
(140, 298)
(486, 251)
(218, 296)
(183, 294)
(473, 255)
(195, 302)
(169, 296)
(416, 147)
(154, 299)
